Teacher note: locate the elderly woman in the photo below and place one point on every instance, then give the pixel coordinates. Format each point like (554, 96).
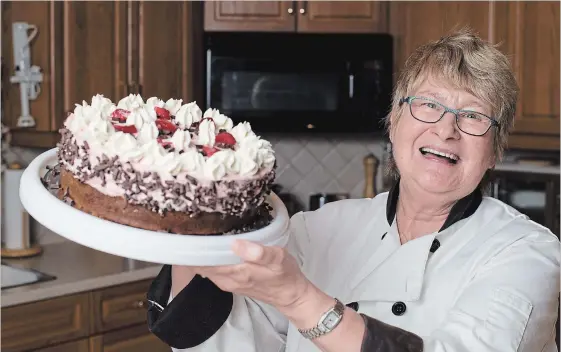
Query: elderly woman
(431, 266)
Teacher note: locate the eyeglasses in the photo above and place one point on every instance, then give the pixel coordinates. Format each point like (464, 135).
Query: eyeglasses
(430, 111)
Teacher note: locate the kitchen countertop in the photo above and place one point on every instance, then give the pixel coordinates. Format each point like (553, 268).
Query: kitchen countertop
(77, 269)
(536, 169)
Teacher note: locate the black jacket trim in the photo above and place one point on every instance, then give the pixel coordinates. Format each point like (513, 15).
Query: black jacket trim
(379, 336)
(192, 317)
(463, 208)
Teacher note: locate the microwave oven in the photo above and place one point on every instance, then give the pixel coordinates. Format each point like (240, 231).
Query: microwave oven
(296, 82)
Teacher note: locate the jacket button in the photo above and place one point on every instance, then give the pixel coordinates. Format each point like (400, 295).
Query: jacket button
(384, 235)
(435, 245)
(353, 306)
(399, 308)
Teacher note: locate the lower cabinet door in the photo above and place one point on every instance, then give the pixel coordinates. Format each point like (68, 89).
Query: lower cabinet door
(75, 346)
(133, 339)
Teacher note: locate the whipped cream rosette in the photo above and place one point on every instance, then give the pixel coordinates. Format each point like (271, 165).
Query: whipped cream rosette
(167, 155)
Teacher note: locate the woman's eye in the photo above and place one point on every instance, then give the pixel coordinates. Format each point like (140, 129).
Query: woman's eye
(430, 105)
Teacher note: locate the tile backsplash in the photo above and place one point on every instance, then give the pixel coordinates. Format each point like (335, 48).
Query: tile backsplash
(305, 166)
(316, 165)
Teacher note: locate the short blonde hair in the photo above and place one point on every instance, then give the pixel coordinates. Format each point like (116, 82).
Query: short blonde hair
(465, 61)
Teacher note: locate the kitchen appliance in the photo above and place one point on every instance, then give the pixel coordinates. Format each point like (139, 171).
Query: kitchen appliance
(534, 191)
(16, 222)
(300, 82)
(320, 199)
(13, 276)
(26, 75)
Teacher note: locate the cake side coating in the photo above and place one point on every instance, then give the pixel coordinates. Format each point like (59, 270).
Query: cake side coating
(117, 209)
(167, 157)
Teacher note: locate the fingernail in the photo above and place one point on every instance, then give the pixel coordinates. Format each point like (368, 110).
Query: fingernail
(253, 250)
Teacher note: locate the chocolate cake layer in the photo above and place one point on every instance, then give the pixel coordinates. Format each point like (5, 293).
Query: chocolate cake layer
(117, 209)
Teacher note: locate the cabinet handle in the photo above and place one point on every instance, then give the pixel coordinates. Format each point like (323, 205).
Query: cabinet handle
(290, 10)
(139, 304)
(304, 7)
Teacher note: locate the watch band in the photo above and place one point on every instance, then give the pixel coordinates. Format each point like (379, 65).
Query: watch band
(328, 321)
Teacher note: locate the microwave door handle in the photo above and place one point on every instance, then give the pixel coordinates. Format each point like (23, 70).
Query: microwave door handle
(351, 86)
(208, 76)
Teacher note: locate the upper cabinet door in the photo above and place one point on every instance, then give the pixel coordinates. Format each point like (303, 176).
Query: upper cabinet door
(46, 51)
(415, 23)
(264, 16)
(342, 16)
(160, 49)
(530, 32)
(95, 51)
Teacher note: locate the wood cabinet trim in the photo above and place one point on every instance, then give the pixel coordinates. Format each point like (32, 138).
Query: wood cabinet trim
(65, 318)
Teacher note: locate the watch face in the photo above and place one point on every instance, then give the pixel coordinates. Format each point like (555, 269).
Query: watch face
(331, 320)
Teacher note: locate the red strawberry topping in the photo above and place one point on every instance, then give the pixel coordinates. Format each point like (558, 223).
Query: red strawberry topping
(120, 115)
(165, 125)
(162, 113)
(125, 128)
(225, 138)
(208, 151)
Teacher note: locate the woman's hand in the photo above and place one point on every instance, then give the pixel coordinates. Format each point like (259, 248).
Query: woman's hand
(268, 274)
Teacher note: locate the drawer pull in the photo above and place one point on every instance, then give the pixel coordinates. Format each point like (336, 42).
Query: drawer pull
(139, 304)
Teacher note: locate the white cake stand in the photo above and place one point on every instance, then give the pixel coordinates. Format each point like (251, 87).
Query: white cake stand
(134, 243)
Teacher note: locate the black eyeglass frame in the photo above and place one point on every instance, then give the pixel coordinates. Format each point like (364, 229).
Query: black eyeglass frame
(410, 99)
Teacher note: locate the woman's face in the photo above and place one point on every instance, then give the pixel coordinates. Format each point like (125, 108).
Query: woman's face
(414, 143)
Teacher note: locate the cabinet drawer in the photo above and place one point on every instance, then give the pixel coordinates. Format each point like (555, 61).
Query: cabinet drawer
(45, 323)
(120, 306)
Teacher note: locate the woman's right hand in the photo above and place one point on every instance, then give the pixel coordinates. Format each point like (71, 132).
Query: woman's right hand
(181, 276)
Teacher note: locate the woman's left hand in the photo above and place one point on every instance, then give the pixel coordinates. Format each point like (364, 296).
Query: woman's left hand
(268, 274)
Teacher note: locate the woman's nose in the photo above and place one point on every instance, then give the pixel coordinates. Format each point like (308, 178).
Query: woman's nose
(446, 127)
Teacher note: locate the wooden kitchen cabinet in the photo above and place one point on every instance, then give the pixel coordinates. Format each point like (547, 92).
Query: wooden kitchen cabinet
(262, 16)
(530, 32)
(95, 51)
(133, 339)
(46, 52)
(297, 16)
(414, 23)
(38, 324)
(103, 320)
(98, 47)
(527, 31)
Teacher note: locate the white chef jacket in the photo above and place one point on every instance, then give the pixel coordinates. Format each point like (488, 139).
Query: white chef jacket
(492, 285)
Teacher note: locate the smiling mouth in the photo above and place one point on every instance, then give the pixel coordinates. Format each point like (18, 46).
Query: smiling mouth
(451, 158)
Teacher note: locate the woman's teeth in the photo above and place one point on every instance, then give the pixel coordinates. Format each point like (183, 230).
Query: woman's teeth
(453, 158)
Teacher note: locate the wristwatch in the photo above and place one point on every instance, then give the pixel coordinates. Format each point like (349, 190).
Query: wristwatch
(328, 321)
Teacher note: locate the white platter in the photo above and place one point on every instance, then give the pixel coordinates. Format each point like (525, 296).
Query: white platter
(134, 243)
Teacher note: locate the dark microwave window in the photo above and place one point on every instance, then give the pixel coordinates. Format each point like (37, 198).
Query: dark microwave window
(263, 91)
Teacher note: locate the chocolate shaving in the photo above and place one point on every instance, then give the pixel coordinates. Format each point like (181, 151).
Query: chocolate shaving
(236, 197)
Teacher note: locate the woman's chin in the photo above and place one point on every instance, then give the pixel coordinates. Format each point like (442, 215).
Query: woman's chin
(436, 182)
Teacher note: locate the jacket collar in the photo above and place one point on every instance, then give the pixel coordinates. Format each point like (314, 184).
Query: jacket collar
(463, 208)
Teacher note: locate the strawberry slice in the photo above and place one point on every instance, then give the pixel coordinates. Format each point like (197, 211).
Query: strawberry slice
(120, 115)
(165, 143)
(125, 128)
(225, 138)
(165, 125)
(208, 151)
(162, 113)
